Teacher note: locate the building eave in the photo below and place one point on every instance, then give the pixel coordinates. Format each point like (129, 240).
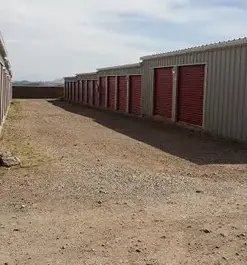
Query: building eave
(203, 48)
(124, 66)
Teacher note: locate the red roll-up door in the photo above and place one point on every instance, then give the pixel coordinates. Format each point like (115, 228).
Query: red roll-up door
(111, 92)
(135, 94)
(102, 90)
(163, 92)
(122, 93)
(190, 94)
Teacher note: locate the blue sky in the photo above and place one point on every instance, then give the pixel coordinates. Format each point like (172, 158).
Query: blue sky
(50, 39)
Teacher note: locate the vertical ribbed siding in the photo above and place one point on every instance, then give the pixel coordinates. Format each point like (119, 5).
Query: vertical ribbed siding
(5, 91)
(243, 96)
(225, 102)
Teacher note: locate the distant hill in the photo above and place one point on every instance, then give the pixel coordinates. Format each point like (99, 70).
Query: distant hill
(57, 82)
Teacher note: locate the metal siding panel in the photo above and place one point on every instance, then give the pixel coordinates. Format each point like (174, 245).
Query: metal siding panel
(236, 99)
(146, 88)
(217, 89)
(243, 95)
(221, 88)
(225, 108)
(213, 89)
(149, 92)
(209, 93)
(231, 93)
(181, 59)
(169, 61)
(160, 62)
(244, 119)
(173, 61)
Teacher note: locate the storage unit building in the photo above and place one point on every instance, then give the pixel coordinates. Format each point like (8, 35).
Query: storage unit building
(89, 92)
(163, 92)
(111, 85)
(122, 93)
(95, 93)
(209, 87)
(102, 91)
(204, 87)
(116, 89)
(135, 94)
(5, 82)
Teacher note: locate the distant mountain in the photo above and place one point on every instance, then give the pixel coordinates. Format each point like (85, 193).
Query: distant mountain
(57, 82)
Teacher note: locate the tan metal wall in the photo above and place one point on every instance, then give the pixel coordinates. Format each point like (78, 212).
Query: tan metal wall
(5, 91)
(87, 76)
(225, 99)
(120, 71)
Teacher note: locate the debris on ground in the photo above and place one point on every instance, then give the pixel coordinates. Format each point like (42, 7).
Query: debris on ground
(7, 159)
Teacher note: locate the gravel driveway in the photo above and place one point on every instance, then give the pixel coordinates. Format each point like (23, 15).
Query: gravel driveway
(97, 187)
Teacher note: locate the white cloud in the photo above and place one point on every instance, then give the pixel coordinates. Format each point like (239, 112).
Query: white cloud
(52, 38)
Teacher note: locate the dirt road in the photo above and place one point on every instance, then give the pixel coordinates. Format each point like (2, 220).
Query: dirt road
(100, 188)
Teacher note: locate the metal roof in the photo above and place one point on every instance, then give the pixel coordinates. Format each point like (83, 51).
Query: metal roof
(90, 73)
(119, 67)
(2, 46)
(224, 44)
(69, 77)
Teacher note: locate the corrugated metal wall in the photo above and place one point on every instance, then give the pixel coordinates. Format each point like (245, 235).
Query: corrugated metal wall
(5, 90)
(120, 71)
(225, 98)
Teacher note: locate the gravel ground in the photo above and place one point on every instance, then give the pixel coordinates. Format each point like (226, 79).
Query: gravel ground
(97, 187)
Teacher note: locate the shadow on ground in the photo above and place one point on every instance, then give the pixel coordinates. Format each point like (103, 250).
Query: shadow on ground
(181, 142)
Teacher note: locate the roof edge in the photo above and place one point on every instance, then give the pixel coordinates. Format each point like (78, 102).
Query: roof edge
(89, 73)
(224, 44)
(2, 45)
(124, 66)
